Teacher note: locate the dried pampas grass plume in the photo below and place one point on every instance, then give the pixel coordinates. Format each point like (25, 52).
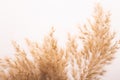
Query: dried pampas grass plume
(51, 62)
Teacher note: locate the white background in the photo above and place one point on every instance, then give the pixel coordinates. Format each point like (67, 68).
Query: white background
(20, 19)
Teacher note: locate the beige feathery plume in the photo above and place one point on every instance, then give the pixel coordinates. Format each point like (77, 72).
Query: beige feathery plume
(51, 62)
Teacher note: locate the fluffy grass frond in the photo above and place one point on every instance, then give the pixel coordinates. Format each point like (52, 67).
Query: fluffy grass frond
(51, 62)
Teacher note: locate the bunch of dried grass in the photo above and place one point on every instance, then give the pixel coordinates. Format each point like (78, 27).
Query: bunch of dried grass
(51, 62)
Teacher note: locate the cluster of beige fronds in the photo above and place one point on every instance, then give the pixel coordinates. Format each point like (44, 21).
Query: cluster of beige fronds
(51, 62)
